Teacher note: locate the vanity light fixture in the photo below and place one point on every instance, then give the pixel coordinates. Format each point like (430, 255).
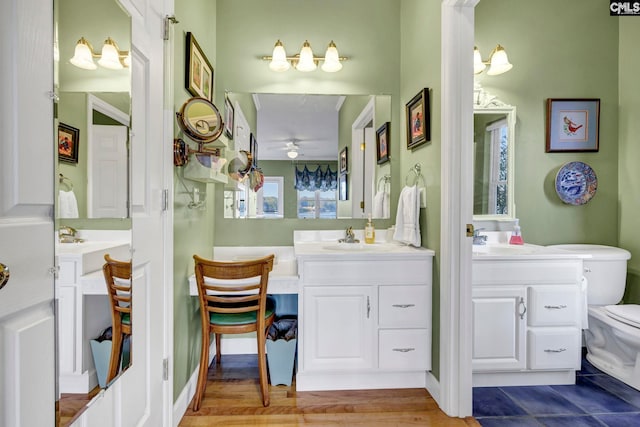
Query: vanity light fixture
(305, 60)
(111, 56)
(498, 62)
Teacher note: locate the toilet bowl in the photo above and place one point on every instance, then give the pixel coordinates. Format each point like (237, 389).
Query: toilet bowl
(613, 334)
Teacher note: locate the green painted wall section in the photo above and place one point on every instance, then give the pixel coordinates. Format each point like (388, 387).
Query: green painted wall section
(193, 229)
(420, 68)
(557, 53)
(629, 155)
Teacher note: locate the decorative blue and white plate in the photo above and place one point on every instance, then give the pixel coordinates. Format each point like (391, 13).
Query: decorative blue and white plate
(576, 183)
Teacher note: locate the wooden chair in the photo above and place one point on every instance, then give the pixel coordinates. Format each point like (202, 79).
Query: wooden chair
(118, 277)
(233, 300)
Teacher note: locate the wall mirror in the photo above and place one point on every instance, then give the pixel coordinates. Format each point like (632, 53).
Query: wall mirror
(200, 120)
(93, 190)
(494, 142)
(304, 135)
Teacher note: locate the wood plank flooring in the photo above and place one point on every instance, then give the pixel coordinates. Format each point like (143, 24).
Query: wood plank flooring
(232, 398)
(71, 405)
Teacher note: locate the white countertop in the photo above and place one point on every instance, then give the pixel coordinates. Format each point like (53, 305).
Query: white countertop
(507, 252)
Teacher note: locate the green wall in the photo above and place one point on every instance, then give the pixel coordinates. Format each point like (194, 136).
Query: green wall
(629, 150)
(193, 229)
(557, 53)
(420, 68)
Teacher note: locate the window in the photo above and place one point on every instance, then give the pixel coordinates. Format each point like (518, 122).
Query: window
(270, 198)
(317, 204)
(498, 132)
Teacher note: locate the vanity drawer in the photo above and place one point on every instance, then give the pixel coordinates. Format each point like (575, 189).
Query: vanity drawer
(554, 305)
(404, 306)
(554, 348)
(404, 349)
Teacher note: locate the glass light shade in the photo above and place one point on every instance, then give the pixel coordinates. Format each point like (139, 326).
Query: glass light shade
(110, 57)
(279, 58)
(306, 62)
(331, 59)
(292, 154)
(499, 62)
(478, 65)
(83, 55)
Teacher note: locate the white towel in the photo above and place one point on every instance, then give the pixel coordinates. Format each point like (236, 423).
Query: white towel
(381, 204)
(67, 204)
(408, 217)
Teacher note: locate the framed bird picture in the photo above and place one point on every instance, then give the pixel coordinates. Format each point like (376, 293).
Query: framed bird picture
(572, 125)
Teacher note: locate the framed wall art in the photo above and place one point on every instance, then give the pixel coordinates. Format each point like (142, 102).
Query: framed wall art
(198, 70)
(343, 187)
(68, 140)
(253, 149)
(228, 118)
(382, 143)
(344, 161)
(572, 125)
(418, 120)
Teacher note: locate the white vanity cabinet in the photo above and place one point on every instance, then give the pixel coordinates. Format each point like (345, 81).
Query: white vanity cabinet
(527, 320)
(364, 319)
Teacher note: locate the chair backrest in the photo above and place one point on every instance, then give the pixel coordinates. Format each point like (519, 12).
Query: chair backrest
(233, 286)
(117, 274)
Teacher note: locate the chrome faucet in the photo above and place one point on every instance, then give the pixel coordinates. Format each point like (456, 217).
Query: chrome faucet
(68, 234)
(479, 239)
(350, 236)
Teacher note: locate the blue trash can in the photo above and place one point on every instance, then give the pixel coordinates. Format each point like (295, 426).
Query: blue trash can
(281, 350)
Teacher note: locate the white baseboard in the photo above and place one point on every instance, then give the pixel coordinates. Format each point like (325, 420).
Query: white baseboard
(433, 387)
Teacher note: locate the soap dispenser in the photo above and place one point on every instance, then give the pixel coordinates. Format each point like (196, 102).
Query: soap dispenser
(369, 232)
(516, 235)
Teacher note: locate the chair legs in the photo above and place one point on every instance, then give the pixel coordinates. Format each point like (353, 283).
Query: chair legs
(218, 353)
(116, 355)
(204, 367)
(262, 366)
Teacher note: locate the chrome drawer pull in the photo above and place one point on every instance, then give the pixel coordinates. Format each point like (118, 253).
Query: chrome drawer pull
(404, 350)
(555, 307)
(403, 305)
(560, 350)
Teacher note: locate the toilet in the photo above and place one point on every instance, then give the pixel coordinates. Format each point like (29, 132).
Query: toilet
(613, 334)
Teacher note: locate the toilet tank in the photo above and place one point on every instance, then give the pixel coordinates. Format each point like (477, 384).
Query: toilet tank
(605, 271)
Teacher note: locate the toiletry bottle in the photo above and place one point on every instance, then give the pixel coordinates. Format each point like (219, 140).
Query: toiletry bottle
(369, 232)
(516, 236)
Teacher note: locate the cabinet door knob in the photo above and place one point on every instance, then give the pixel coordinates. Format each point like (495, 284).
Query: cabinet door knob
(404, 350)
(555, 307)
(523, 308)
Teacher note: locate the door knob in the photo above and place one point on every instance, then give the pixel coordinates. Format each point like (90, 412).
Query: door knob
(4, 275)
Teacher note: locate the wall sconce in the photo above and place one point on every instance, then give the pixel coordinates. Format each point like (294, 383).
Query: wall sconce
(305, 60)
(498, 62)
(110, 57)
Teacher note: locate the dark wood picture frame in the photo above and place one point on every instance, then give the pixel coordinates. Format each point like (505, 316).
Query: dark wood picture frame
(344, 161)
(382, 143)
(253, 149)
(68, 140)
(573, 125)
(198, 70)
(418, 117)
(229, 118)
(343, 187)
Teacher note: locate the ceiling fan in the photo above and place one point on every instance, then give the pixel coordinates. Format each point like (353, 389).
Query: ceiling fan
(292, 149)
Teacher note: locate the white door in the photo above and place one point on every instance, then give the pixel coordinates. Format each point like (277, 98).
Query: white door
(499, 329)
(339, 328)
(141, 396)
(109, 174)
(27, 324)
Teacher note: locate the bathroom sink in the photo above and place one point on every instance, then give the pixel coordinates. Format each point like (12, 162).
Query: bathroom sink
(506, 250)
(91, 254)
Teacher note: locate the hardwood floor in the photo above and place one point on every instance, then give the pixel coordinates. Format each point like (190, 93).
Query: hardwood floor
(232, 398)
(70, 405)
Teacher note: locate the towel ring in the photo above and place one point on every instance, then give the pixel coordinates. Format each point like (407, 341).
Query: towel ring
(385, 180)
(66, 181)
(417, 176)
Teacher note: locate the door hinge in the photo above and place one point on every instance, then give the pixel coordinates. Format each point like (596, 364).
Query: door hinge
(168, 20)
(165, 369)
(165, 200)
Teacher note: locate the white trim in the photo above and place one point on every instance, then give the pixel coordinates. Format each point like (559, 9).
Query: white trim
(457, 25)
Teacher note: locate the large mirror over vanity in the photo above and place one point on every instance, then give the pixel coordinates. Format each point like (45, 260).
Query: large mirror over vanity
(92, 215)
(318, 154)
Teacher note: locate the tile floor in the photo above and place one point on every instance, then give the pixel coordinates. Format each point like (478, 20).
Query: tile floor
(595, 400)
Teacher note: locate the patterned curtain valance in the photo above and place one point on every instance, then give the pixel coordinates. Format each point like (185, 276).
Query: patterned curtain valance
(316, 179)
